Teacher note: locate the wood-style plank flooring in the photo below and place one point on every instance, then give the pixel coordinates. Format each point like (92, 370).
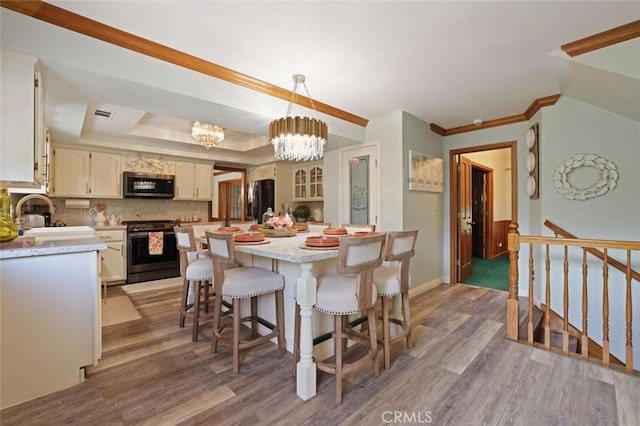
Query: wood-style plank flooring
(461, 371)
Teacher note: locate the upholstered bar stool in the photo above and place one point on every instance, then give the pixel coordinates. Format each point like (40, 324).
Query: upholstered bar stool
(237, 282)
(196, 271)
(358, 227)
(392, 280)
(351, 291)
(200, 228)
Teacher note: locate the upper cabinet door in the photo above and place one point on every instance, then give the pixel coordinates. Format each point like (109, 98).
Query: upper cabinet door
(21, 105)
(307, 183)
(105, 177)
(315, 183)
(71, 172)
(300, 183)
(185, 181)
(204, 182)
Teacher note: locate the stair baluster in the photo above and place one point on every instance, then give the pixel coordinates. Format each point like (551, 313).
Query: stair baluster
(605, 309)
(547, 314)
(530, 325)
(565, 304)
(585, 307)
(629, 311)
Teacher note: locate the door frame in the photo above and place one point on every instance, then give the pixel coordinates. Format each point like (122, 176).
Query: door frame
(373, 150)
(224, 199)
(218, 170)
(453, 195)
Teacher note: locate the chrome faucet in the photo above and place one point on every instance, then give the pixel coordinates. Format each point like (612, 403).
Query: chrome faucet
(26, 198)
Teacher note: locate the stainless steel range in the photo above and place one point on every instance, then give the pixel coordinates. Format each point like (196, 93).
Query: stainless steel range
(144, 264)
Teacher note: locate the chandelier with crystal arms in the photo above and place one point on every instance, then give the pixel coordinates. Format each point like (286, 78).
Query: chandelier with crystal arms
(207, 134)
(298, 138)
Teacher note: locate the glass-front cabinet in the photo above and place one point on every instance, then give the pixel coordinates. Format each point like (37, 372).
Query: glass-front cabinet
(307, 183)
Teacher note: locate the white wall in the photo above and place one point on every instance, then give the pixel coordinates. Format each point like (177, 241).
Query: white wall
(572, 127)
(388, 131)
(422, 210)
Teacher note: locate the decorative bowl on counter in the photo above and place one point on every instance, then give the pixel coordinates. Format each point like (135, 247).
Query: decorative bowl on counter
(301, 227)
(284, 232)
(248, 237)
(335, 231)
(322, 241)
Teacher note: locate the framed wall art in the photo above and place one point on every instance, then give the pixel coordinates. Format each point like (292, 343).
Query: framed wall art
(425, 172)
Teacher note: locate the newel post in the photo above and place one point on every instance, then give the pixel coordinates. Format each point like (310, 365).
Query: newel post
(513, 314)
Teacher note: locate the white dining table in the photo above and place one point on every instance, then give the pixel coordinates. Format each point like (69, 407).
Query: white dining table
(299, 266)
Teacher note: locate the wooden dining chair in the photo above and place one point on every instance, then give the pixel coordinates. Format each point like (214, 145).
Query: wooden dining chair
(392, 280)
(197, 275)
(241, 282)
(350, 291)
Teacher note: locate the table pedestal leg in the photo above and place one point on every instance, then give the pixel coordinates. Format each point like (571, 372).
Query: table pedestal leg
(306, 298)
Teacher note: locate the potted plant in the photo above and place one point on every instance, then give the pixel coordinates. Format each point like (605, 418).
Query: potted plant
(302, 213)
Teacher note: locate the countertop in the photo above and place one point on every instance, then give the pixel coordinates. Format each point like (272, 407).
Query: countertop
(109, 227)
(288, 249)
(52, 247)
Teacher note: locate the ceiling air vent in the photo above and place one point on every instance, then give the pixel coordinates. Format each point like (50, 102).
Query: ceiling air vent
(107, 115)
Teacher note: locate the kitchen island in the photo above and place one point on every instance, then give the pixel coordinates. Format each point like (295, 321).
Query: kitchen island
(50, 316)
(299, 266)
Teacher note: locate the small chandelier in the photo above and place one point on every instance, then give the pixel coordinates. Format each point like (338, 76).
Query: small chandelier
(298, 138)
(207, 134)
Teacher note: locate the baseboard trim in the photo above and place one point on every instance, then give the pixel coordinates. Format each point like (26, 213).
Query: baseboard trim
(415, 291)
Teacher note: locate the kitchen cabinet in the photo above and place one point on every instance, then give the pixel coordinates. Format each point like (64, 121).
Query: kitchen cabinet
(23, 153)
(61, 290)
(113, 264)
(307, 183)
(194, 181)
(80, 173)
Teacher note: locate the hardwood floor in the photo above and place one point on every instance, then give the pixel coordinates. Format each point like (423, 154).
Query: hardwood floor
(462, 370)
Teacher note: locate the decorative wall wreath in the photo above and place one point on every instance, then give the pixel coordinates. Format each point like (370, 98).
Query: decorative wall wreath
(608, 176)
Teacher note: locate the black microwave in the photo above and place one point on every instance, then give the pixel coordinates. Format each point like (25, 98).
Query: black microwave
(148, 185)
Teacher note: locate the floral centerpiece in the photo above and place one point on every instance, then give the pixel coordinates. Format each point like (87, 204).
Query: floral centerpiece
(280, 222)
(279, 226)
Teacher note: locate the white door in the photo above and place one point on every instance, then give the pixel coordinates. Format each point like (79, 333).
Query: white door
(360, 177)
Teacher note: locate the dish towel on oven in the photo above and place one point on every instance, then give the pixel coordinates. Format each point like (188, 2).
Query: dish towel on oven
(156, 243)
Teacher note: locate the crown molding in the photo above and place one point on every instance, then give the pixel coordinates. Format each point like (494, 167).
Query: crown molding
(606, 38)
(530, 112)
(63, 18)
(539, 103)
(437, 129)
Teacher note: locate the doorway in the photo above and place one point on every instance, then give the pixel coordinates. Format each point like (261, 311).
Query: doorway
(230, 201)
(473, 230)
(229, 194)
(475, 203)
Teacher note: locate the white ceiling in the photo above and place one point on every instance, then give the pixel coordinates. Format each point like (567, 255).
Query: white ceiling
(443, 62)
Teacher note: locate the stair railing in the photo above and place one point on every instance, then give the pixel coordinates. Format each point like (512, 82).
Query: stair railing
(600, 249)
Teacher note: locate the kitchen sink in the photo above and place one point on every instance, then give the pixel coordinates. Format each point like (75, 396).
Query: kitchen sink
(60, 233)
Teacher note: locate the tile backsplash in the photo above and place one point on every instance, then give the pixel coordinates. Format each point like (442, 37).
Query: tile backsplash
(126, 209)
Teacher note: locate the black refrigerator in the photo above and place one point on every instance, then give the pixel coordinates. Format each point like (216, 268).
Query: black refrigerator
(260, 196)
